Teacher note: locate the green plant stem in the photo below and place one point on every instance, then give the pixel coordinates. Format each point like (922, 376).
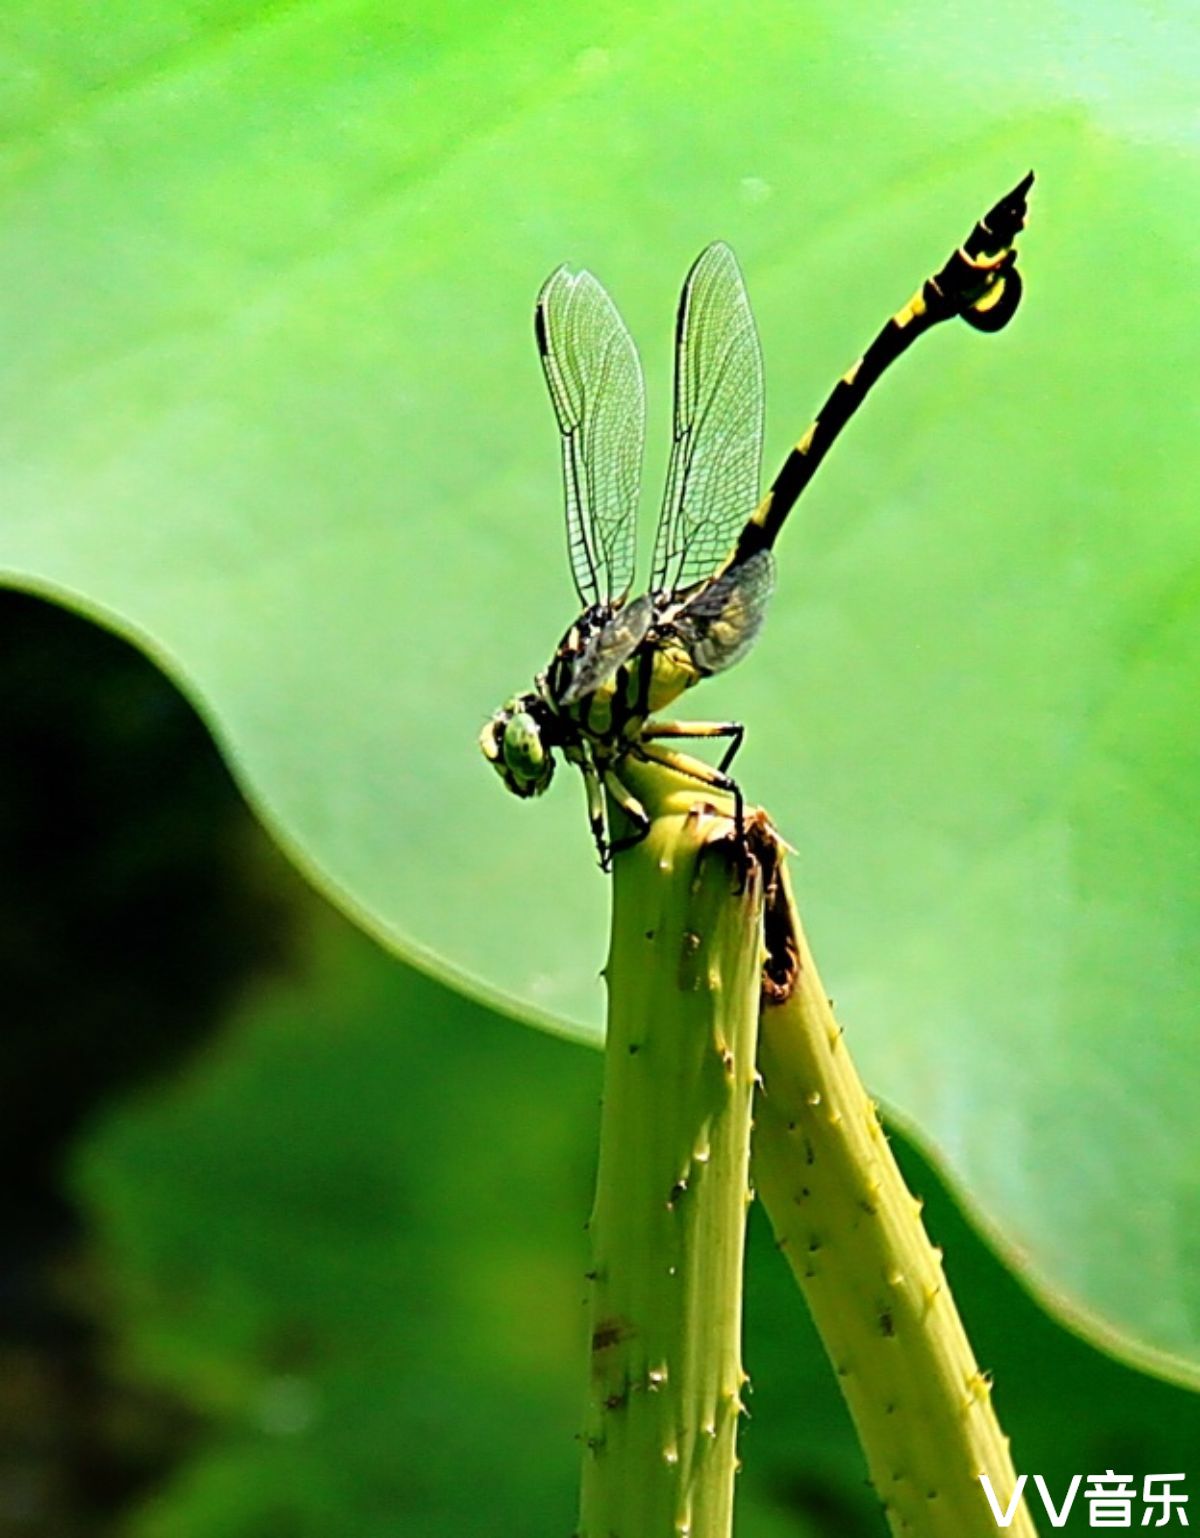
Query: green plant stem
(668, 1225)
(853, 1235)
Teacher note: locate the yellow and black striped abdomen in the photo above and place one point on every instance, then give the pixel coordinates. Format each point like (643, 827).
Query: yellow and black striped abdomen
(979, 283)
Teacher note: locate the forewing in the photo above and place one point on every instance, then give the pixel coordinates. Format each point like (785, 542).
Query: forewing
(595, 382)
(716, 457)
(721, 623)
(612, 646)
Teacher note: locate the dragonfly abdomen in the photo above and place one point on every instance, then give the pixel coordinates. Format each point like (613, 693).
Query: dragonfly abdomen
(978, 283)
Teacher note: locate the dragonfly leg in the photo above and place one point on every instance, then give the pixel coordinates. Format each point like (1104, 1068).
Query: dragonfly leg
(699, 730)
(632, 808)
(695, 769)
(595, 805)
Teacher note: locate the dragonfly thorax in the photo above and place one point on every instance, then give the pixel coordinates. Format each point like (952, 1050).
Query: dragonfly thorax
(608, 672)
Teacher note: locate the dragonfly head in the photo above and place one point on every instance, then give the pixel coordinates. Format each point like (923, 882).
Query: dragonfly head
(517, 745)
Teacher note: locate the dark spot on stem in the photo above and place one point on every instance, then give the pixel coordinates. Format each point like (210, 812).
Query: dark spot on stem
(781, 969)
(609, 1332)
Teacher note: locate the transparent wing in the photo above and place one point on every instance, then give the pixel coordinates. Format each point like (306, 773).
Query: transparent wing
(595, 382)
(721, 623)
(612, 646)
(713, 478)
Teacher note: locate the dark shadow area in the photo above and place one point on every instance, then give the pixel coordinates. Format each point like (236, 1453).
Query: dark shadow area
(139, 899)
(291, 1235)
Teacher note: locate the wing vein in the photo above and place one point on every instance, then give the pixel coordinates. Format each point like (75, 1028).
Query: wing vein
(595, 382)
(713, 476)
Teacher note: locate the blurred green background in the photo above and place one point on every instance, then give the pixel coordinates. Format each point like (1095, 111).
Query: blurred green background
(291, 1234)
(269, 407)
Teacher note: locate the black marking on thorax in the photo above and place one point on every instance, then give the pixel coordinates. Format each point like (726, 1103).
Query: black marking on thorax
(605, 714)
(574, 644)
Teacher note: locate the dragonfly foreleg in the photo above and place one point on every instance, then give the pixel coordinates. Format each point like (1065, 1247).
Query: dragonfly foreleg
(595, 805)
(700, 730)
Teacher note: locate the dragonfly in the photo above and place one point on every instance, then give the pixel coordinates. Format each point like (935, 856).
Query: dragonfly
(625, 659)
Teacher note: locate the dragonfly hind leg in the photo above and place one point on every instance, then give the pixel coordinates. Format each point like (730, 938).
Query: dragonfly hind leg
(700, 730)
(704, 774)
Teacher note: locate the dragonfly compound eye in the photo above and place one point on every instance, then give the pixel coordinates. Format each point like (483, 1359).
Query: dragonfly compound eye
(513, 744)
(526, 756)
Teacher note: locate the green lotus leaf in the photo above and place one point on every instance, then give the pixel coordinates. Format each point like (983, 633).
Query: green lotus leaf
(271, 407)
